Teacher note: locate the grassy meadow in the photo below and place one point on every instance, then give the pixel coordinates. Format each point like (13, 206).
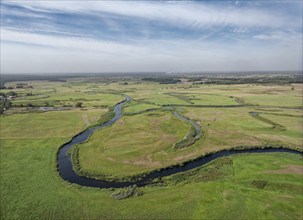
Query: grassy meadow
(129, 146)
(243, 186)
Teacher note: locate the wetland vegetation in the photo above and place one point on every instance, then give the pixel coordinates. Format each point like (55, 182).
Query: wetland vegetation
(149, 137)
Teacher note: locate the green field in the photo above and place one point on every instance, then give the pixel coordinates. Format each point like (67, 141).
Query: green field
(244, 186)
(137, 107)
(132, 145)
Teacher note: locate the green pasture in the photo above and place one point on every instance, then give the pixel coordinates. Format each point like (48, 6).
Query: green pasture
(48, 124)
(89, 99)
(243, 186)
(59, 94)
(130, 146)
(136, 107)
(139, 143)
(31, 188)
(275, 100)
(227, 127)
(205, 99)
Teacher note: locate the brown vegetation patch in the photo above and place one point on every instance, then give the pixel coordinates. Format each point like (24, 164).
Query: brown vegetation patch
(290, 169)
(111, 159)
(85, 119)
(183, 157)
(168, 138)
(156, 122)
(144, 161)
(225, 195)
(120, 122)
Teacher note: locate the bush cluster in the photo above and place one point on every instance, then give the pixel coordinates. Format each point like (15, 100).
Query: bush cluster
(194, 134)
(126, 192)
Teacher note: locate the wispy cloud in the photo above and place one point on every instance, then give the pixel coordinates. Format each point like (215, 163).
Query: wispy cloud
(150, 36)
(178, 13)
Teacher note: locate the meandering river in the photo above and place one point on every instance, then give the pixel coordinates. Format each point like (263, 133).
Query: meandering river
(67, 172)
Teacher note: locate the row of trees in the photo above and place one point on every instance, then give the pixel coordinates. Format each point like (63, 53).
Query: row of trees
(248, 80)
(162, 80)
(6, 104)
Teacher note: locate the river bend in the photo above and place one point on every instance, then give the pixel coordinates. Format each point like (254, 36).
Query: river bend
(67, 172)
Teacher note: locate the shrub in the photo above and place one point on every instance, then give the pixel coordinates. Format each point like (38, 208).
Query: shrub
(259, 184)
(11, 93)
(126, 192)
(78, 105)
(5, 104)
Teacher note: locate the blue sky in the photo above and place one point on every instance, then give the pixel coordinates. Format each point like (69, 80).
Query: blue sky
(170, 36)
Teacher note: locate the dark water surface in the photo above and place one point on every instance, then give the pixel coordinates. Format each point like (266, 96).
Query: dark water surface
(67, 172)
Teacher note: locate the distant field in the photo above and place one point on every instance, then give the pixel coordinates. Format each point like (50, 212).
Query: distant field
(235, 126)
(205, 99)
(60, 94)
(46, 124)
(289, 100)
(135, 107)
(245, 186)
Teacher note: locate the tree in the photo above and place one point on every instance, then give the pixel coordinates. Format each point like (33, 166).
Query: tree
(11, 93)
(5, 104)
(78, 105)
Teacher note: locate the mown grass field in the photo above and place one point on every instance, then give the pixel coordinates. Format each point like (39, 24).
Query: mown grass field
(245, 186)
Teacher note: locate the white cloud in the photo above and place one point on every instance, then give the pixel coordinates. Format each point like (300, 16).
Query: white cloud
(286, 37)
(177, 13)
(65, 43)
(76, 54)
(33, 49)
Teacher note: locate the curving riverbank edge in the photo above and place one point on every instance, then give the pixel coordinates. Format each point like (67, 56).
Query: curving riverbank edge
(67, 172)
